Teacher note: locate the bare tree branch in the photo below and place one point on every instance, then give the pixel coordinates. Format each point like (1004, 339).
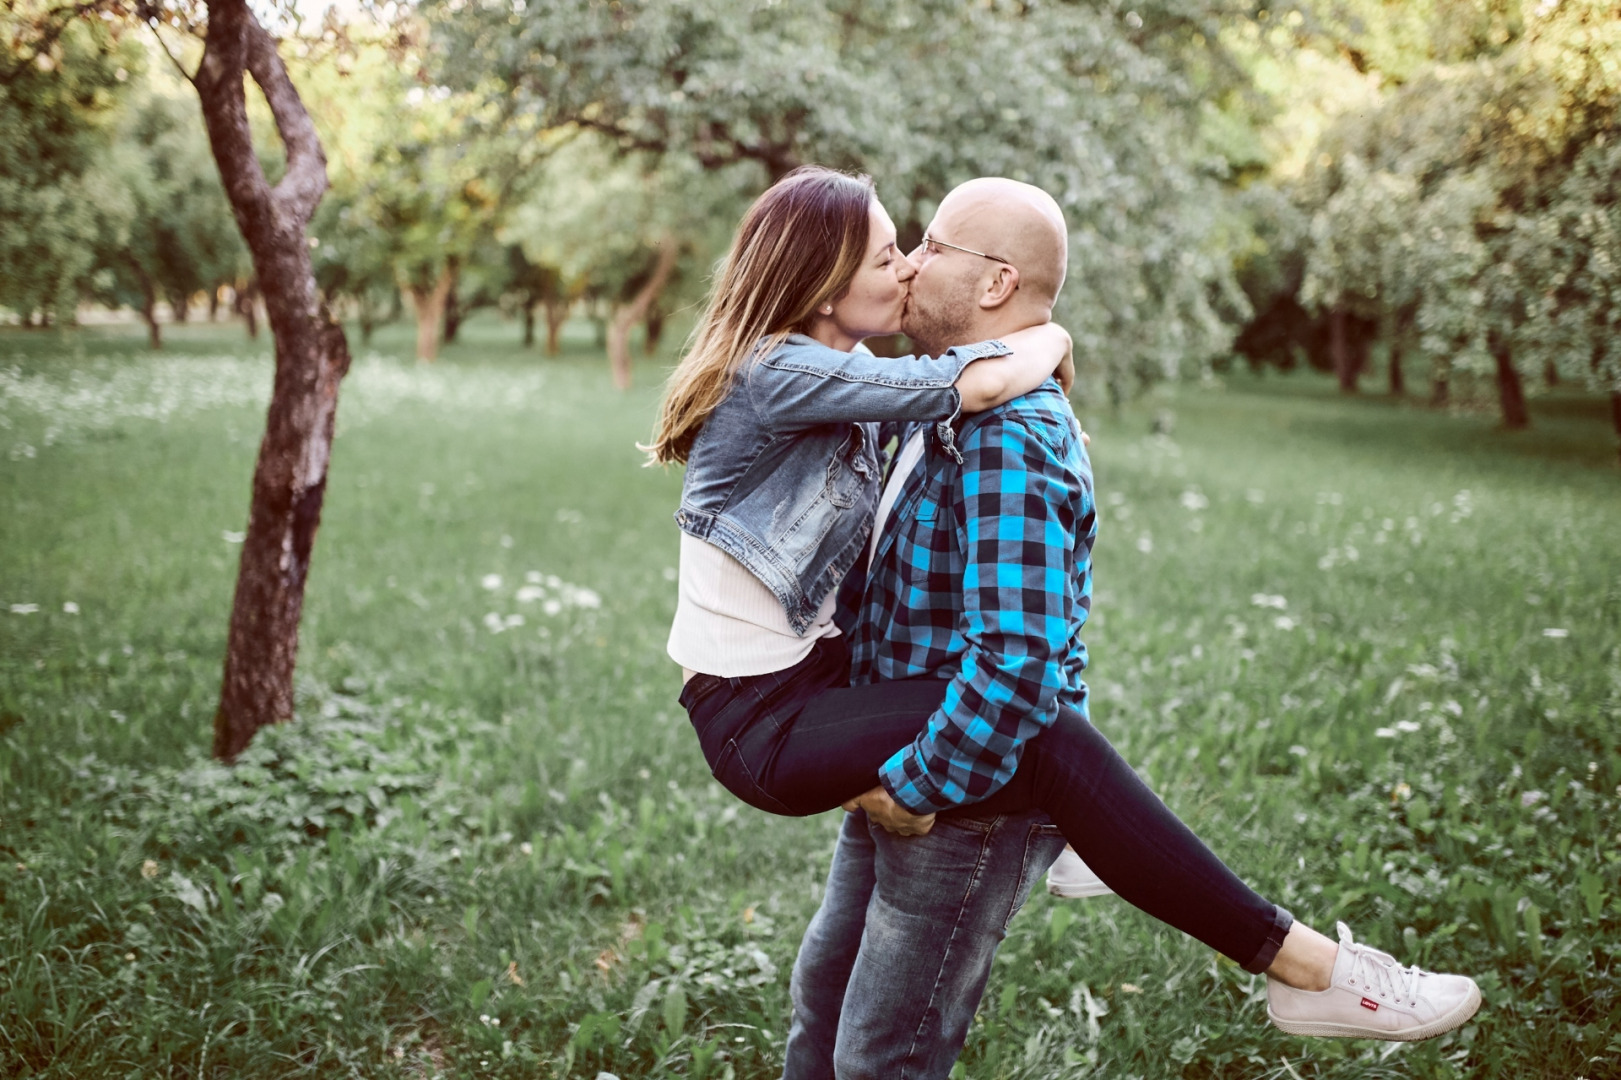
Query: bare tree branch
(301, 187)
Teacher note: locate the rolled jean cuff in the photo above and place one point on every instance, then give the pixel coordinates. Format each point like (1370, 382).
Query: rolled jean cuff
(1281, 921)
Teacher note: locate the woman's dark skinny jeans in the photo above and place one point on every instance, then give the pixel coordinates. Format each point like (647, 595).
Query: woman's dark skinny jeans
(800, 741)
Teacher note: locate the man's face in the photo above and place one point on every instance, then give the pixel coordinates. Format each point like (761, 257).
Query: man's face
(942, 310)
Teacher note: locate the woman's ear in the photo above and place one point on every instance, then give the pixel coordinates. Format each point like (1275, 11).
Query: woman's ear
(1000, 289)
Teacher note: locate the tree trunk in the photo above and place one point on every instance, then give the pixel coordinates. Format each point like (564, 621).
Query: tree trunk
(556, 316)
(453, 301)
(655, 330)
(149, 312)
(635, 311)
(429, 303)
(213, 303)
(1339, 350)
(1550, 373)
(528, 324)
(247, 305)
(1510, 389)
(312, 356)
(1398, 382)
(1615, 418)
(180, 303)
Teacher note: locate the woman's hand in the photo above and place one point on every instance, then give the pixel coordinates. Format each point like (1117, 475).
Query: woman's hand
(1038, 353)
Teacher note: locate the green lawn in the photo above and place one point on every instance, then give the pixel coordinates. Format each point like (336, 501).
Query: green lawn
(1371, 653)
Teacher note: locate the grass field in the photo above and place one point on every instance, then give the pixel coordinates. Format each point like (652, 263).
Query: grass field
(1371, 653)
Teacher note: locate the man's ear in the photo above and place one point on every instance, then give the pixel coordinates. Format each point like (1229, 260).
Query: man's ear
(1000, 289)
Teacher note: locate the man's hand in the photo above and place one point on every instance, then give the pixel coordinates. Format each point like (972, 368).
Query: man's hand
(894, 817)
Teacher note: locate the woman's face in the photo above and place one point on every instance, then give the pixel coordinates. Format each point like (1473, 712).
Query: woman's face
(877, 295)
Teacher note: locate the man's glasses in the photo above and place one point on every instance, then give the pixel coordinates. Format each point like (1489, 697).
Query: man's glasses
(933, 246)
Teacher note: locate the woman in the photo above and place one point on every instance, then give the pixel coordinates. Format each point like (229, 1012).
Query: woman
(776, 420)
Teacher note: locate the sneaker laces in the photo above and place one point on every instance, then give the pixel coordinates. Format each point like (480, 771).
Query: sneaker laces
(1378, 971)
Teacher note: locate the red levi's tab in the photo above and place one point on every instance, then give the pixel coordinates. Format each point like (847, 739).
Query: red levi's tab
(1366, 1004)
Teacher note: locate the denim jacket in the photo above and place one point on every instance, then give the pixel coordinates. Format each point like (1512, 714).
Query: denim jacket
(784, 477)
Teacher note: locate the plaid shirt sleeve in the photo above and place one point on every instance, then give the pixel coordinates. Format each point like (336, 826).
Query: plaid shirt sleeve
(1016, 516)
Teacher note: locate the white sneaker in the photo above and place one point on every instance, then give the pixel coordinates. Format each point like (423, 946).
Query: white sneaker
(1370, 996)
(1072, 879)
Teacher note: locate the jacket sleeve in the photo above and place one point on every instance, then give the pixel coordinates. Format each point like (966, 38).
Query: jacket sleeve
(803, 384)
(1023, 534)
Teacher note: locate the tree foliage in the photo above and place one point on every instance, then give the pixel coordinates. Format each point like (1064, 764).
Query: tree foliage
(61, 92)
(1100, 104)
(1472, 213)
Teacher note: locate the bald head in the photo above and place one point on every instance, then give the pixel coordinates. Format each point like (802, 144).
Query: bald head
(958, 297)
(1013, 221)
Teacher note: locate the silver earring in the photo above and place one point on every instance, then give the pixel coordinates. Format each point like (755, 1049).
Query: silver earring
(827, 309)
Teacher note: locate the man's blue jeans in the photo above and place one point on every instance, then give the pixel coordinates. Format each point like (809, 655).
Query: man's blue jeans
(894, 963)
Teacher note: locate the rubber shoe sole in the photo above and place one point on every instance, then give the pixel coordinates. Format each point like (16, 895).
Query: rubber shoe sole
(1439, 1026)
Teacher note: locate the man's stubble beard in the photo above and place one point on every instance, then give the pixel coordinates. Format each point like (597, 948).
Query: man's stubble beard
(936, 326)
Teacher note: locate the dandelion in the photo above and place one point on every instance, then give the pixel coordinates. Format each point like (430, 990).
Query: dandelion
(491, 582)
(24, 609)
(149, 869)
(1400, 792)
(1130, 988)
(70, 608)
(1550, 632)
(526, 848)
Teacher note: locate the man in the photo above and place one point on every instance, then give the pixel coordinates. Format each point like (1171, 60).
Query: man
(980, 568)
(981, 571)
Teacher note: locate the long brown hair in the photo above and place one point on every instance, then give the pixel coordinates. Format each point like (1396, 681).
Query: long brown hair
(798, 247)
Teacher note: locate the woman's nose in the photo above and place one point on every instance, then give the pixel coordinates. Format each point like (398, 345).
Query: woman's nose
(905, 268)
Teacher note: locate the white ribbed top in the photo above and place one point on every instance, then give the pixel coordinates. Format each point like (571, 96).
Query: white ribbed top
(728, 623)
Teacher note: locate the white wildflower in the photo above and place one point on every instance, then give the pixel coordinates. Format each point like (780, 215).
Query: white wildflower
(1255, 496)
(669, 573)
(1556, 632)
(1284, 622)
(1407, 726)
(1193, 500)
(491, 581)
(1384, 733)
(24, 609)
(1145, 544)
(1271, 600)
(232, 537)
(70, 608)
(1528, 799)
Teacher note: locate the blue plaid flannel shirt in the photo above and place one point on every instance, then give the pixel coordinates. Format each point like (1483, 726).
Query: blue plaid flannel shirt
(983, 576)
